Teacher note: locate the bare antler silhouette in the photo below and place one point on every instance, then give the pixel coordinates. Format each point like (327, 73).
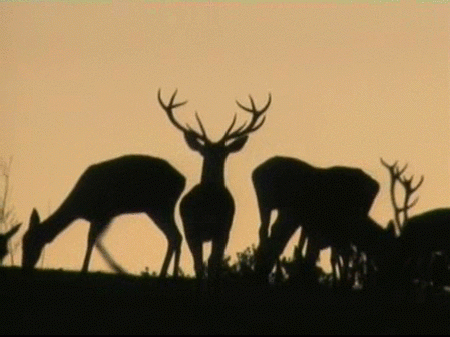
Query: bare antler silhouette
(397, 175)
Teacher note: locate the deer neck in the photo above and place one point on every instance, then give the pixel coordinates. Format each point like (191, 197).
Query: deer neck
(57, 222)
(213, 172)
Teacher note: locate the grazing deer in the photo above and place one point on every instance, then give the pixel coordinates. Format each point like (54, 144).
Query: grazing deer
(208, 209)
(128, 184)
(4, 239)
(331, 205)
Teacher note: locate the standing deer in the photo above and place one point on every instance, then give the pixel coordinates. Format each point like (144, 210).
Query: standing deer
(208, 209)
(4, 239)
(128, 184)
(331, 205)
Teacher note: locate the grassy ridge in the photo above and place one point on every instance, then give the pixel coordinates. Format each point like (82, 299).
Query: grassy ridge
(68, 302)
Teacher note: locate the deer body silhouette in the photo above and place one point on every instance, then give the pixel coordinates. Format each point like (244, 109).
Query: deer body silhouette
(128, 184)
(425, 234)
(315, 244)
(208, 209)
(331, 205)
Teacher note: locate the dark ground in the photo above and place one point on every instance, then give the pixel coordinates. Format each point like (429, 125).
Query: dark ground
(59, 302)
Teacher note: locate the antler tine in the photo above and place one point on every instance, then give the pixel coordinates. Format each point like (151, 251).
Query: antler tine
(203, 135)
(407, 183)
(168, 109)
(411, 204)
(393, 169)
(250, 127)
(422, 178)
(259, 125)
(252, 102)
(253, 109)
(384, 163)
(389, 167)
(393, 172)
(231, 127)
(173, 97)
(267, 104)
(243, 107)
(399, 172)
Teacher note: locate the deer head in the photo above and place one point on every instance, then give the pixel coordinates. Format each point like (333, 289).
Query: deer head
(4, 238)
(33, 242)
(215, 153)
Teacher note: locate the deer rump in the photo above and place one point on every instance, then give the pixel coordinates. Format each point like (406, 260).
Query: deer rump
(328, 202)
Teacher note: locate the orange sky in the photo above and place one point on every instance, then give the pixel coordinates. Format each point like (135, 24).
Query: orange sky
(350, 83)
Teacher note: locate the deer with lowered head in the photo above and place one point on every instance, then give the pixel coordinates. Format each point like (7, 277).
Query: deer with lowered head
(125, 185)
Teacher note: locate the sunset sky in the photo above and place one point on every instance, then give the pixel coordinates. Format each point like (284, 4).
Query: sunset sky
(350, 83)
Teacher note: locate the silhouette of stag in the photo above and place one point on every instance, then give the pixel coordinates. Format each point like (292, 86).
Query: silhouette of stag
(331, 205)
(128, 184)
(208, 209)
(4, 239)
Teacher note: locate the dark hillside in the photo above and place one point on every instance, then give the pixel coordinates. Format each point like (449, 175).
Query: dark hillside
(48, 302)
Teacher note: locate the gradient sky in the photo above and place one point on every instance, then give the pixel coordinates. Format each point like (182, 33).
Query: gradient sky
(350, 83)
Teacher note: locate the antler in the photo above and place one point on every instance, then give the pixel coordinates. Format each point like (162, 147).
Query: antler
(396, 175)
(252, 126)
(169, 110)
(409, 190)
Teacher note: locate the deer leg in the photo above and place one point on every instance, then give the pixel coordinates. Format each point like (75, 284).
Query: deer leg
(342, 267)
(216, 257)
(281, 233)
(264, 227)
(196, 248)
(345, 273)
(174, 240)
(312, 251)
(176, 266)
(302, 241)
(95, 230)
(173, 246)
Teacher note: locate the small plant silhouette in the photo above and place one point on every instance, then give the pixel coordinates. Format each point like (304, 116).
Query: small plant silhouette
(8, 221)
(243, 267)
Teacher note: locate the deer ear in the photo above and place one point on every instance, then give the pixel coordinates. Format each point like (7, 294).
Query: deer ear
(237, 145)
(13, 231)
(34, 219)
(193, 142)
(391, 228)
